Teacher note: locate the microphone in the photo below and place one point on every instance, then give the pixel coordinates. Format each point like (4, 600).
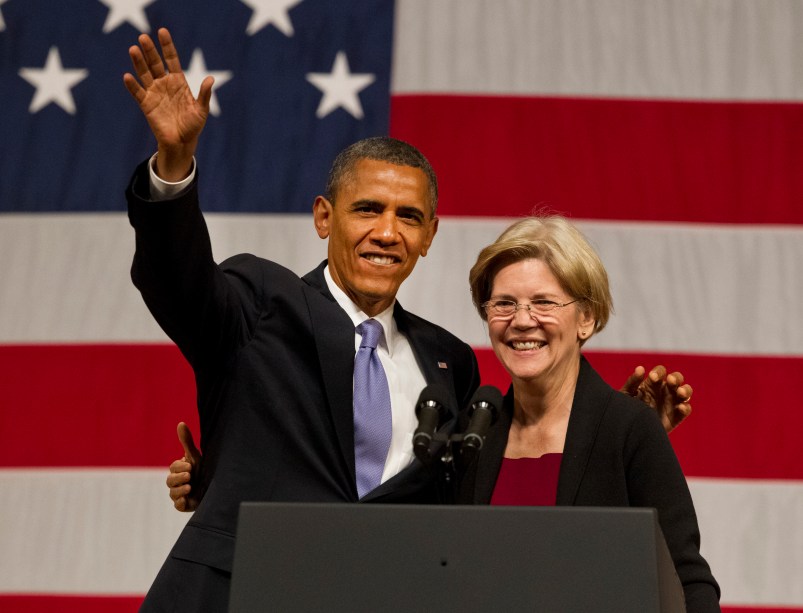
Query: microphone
(430, 408)
(483, 412)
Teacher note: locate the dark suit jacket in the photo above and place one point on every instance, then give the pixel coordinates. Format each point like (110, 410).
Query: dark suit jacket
(616, 454)
(273, 356)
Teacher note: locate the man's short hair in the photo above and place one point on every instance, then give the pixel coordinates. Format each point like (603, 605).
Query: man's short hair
(382, 149)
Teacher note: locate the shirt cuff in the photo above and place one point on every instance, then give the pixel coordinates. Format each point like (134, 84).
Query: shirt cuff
(164, 190)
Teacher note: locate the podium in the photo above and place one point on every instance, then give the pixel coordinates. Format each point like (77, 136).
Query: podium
(362, 557)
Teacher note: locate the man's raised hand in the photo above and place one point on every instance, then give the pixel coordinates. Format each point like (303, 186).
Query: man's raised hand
(175, 117)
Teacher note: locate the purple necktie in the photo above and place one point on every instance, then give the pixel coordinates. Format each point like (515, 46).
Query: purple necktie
(372, 418)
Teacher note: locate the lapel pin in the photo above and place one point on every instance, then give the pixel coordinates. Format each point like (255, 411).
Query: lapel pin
(442, 365)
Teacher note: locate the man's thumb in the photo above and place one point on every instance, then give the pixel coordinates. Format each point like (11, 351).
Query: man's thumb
(185, 438)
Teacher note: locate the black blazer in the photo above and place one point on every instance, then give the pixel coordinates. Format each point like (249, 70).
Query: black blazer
(617, 454)
(273, 358)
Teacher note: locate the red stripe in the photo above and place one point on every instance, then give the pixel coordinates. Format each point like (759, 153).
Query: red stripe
(744, 424)
(93, 405)
(610, 159)
(29, 603)
(118, 405)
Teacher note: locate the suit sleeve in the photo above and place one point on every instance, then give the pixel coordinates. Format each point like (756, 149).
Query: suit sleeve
(655, 479)
(207, 312)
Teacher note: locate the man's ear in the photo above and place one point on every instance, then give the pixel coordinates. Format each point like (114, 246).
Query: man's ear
(322, 216)
(431, 232)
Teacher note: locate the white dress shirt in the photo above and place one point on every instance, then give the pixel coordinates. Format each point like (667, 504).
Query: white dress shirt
(405, 378)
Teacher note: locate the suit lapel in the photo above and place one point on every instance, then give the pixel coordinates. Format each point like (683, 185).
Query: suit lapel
(434, 363)
(591, 399)
(431, 356)
(334, 339)
(333, 333)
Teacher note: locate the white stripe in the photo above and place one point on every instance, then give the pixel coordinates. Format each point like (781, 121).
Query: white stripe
(84, 531)
(108, 532)
(752, 538)
(687, 49)
(737, 283)
(66, 278)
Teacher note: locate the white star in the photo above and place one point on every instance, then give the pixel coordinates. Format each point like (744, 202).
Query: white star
(2, 23)
(196, 72)
(132, 11)
(268, 12)
(340, 87)
(53, 83)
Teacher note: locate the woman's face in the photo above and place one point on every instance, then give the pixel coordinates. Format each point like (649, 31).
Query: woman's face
(537, 348)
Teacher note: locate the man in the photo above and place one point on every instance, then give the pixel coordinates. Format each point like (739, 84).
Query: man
(274, 354)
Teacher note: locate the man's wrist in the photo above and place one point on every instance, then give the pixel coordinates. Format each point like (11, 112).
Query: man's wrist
(164, 190)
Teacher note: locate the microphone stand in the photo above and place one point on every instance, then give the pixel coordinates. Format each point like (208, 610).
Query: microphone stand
(448, 458)
(438, 448)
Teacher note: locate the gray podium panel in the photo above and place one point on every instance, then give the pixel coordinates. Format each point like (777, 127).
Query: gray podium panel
(360, 558)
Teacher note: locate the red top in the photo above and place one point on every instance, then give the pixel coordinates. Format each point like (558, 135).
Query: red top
(528, 481)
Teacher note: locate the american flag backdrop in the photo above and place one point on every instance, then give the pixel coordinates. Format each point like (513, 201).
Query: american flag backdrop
(670, 131)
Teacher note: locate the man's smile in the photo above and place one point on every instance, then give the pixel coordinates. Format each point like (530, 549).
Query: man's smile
(383, 260)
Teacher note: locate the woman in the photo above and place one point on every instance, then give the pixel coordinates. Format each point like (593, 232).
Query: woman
(564, 436)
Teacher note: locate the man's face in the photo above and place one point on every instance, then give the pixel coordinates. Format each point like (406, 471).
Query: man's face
(377, 227)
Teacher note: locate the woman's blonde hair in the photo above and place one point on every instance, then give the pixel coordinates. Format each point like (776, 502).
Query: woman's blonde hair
(555, 241)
